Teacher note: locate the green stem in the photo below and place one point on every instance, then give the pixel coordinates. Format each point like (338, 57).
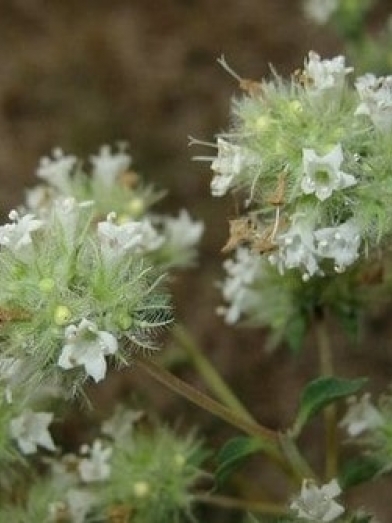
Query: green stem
(291, 462)
(211, 377)
(330, 412)
(205, 402)
(239, 504)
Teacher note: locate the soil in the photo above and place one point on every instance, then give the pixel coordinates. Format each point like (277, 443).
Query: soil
(79, 74)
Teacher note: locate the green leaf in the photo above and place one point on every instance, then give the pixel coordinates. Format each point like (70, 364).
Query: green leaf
(358, 470)
(234, 452)
(321, 392)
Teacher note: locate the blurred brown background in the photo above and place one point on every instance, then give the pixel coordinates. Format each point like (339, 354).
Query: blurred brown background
(78, 74)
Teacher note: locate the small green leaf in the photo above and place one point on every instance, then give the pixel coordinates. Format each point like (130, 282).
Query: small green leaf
(321, 392)
(234, 452)
(358, 470)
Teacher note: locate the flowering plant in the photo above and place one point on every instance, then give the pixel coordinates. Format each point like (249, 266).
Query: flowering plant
(84, 288)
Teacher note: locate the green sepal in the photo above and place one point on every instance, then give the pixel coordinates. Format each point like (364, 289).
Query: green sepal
(321, 392)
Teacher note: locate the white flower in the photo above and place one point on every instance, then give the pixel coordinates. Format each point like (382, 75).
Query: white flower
(96, 466)
(317, 504)
(75, 507)
(87, 346)
(296, 249)
(66, 212)
(131, 236)
(339, 243)
(242, 272)
(107, 166)
(322, 174)
(320, 11)
(182, 231)
(361, 416)
(120, 425)
(228, 164)
(57, 171)
(30, 430)
(325, 76)
(16, 236)
(376, 100)
(39, 198)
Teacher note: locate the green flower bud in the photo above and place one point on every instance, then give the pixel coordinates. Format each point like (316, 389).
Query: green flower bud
(62, 315)
(136, 207)
(46, 285)
(141, 489)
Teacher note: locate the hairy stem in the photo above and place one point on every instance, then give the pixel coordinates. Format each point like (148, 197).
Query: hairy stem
(330, 412)
(209, 374)
(241, 504)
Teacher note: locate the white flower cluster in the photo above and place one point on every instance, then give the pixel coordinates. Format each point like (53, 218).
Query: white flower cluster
(303, 247)
(236, 289)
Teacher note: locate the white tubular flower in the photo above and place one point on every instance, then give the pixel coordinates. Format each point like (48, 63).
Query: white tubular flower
(325, 75)
(361, 416)
(296, 249)
(16, 236)
(376, 100)
(320, 11)
(120, 426)
(322, 174)
(57, 171)
(236, 289)
(316, 504)
(339, 243)
(108, 166)
(182, 231)
(39, 198)
(228, 164)
(132, 236)
(96, 466)
(87, 346)
(66, 212)
(30, 430)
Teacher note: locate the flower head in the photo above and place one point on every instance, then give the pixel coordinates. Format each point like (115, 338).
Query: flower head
(30, 430)
(87, 346)
(317, 504)
(322, 174)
